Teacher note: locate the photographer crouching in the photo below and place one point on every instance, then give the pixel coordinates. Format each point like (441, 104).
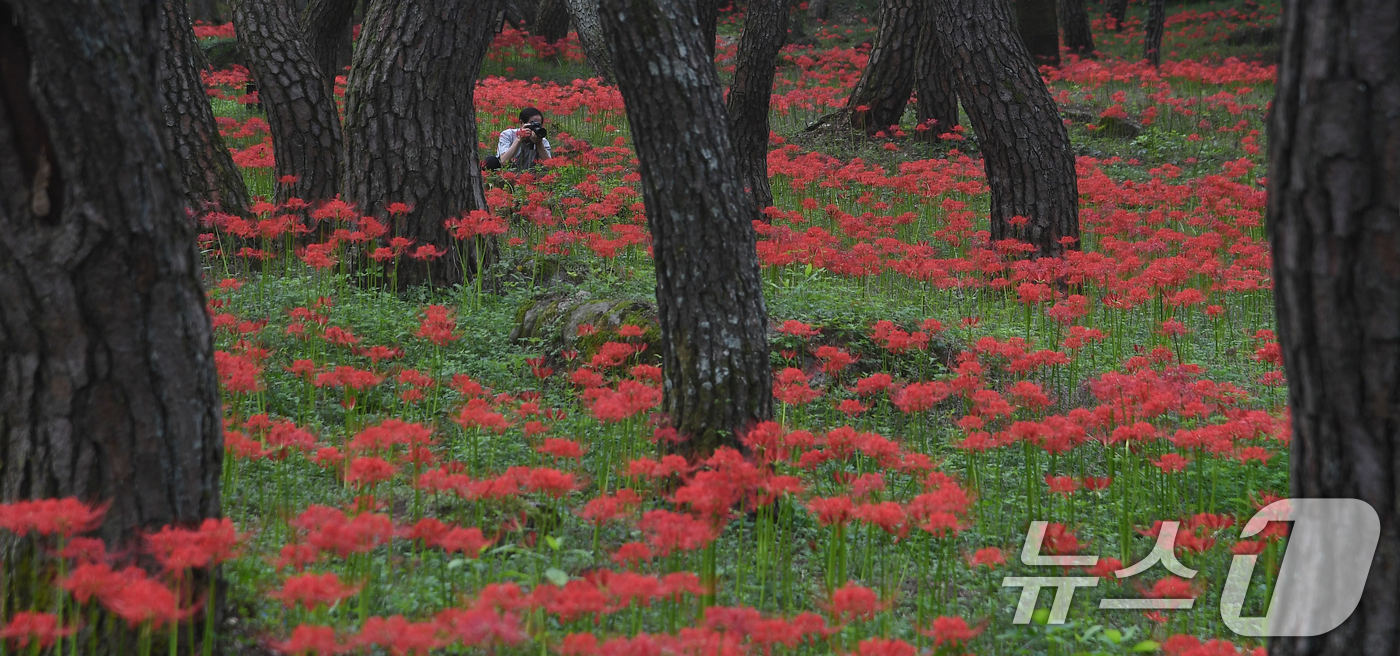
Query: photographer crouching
(522, 146)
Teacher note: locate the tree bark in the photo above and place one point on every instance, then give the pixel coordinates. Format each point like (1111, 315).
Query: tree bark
(709, 24)
(937, 99)
(210, 179)
(1333, 218)
(714, 345)
(1156, 24)
(584, 15)
(1117, 13)
(750, 93)
(818, 9)
(301, 112)
(1074, 20)
(551, 21)
(205, 10)
(325, 25)
(108, 390)
(411, 124)
(1036, 21)
(888, 78)
(1025, 147)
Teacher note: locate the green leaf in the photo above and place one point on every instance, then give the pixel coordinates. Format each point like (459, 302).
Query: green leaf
(556, 576)
(456, 563)
(553, 542)
(1041, 616)
(1146, 645)
(1114, 636)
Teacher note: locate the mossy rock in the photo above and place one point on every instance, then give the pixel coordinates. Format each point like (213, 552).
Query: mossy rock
(553, 322)
(1119, 128)
(222, 53)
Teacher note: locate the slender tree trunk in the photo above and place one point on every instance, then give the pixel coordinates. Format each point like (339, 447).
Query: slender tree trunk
(1333, 220)
(206, 11)
(210, 179)
(714, 345)
(1074, 20)
(301, 113)
(1117, 13)
(709, 24)
(411, 124)
(552, 20)
(108, 390)
(818, 9)
(1025, 147)
(937, 106)
(1036, 22)
(1156, 24)
(888, 79)
(765, 26)
(584, 15)
(325, 25)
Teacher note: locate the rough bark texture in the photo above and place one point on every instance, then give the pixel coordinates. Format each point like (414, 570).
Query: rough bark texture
(709, 24)
(933, 81)
(551, 20)
(325, 25)
(1025, 147)
(714, 346)
(1334, 227)
(301, 113)
(1037, 22)
(411, 124)
(888, 78)
(765, 29)
(1117, 12)
(1074, 20)
(108, 390)
(205, 10)
(584, 15)
(1156, 24)
(210, 179)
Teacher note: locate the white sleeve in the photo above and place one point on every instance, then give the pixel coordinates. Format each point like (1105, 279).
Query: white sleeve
(503, 144)
(547, 151)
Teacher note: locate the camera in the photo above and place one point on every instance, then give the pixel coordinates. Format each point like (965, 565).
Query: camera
(538, 129)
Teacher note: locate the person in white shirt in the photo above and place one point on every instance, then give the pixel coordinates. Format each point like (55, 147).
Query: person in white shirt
(525, 145)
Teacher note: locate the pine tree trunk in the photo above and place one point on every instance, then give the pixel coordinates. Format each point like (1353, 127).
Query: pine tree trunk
(937, 99)
(210, 179)
(1036, 21)
(888, 78)
(714, 346)
(108, 390)
(301, 112)
(584, 15)
(1074, 20)
(1025, 147)
(709, 24)
(1156, 24)
(206, 11)
(411, 124)
(325, 25)
(1117, 13)
(765, 26)
(551, 21)
(1333, 217)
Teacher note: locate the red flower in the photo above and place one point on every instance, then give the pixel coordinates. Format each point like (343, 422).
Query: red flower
(312, 590)
(40, 628)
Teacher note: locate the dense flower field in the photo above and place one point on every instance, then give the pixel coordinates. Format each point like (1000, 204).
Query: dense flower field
(404, 477)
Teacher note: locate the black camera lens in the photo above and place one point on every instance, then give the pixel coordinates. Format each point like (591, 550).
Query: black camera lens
(539, 131)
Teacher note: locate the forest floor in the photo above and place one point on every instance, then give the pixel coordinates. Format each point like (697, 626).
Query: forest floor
(479, 465)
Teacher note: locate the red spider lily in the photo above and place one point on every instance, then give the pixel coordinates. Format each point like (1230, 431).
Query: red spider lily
(1063, 485)
(313, 590)
(797, 329)
(831, 510)
(140, 600)
(438, 325)
(308, 640)
(1171, 463)
(369, 471)
(400, 636)
(178, 550)
(854, 602)
(667, 531)
(41, 629)
(62, 517)
(952, 630)
(561, 448)
(632, 553)
(477, 414)
(610, 507)
(986, 556)
(1059, 540)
